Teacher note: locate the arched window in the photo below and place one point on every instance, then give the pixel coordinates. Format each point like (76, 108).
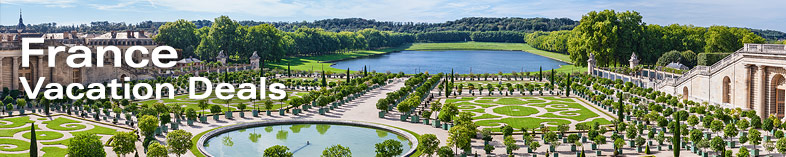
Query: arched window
(778, 96)
(726, 90)
(685, 93)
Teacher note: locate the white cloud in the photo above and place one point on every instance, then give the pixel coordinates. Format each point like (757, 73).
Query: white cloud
(46, 3)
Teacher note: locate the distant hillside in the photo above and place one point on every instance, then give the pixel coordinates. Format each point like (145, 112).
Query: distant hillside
(769, 34)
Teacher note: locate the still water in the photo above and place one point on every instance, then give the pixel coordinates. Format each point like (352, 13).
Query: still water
(254, 141)
(461, 61)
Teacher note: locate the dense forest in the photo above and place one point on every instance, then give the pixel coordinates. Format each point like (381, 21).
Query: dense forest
(239, 41)
(613, 36)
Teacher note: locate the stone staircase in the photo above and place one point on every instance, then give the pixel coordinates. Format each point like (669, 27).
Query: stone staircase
(725, 62)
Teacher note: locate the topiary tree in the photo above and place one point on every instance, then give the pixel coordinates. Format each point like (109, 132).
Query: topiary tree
(156, 150)
(179, 142)
(717, 144)
(781, 145)
(85, 145)
(388, 148)
(123, 143)
(510, 145)
(148, 124)
(754, 137)
(428, 144)
(336, 151)
(743, 152)
(445, 151)
(277, 151)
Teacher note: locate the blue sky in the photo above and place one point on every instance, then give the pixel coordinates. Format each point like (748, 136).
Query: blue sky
(764, 14)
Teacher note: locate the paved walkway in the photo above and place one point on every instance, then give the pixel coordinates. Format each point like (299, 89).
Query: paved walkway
(361, 109)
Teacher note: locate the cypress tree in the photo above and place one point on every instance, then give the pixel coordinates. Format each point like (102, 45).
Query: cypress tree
(348, 75)
(567, 87)
(365, 71)
(324, 79)
(289, 73)
(552, 77)
(540, 74)
(33, 141)
(451, 76)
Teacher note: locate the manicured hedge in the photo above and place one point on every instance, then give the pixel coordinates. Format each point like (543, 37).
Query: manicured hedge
(710, 58)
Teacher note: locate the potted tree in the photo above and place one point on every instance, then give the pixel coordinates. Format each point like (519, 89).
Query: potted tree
(215, 110)
(242, 108)
(427, 117)
(190, 116)
(533, 146)
(203, 105)
(268, 107)
(598, 140)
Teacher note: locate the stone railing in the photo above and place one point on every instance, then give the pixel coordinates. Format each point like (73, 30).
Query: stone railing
(764, 48)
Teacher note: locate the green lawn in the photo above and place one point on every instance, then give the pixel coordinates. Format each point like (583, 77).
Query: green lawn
(54, 151)
(44, 135)
(20, 145)
(468, 46)
(520, 122)
(56, 124)
(316, 63)
(485, 116)
(515, 110)
(14, 122)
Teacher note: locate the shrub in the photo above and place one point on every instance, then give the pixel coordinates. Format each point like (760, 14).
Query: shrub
(707, 59)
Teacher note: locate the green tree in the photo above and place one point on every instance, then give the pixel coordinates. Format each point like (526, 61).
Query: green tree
(277, 151)
(179, 34)
(781, 145)
(179, 142)
(148, 124)
(510, 145)
(670, 57)
(388, 148)
(428, 144)
(336, 151)
(460, 137)
(445, 151)
(754, 137)
(157, 150)
(123, 143)
(33, 141)
(743, 152)
(717, 144)
(85, 145)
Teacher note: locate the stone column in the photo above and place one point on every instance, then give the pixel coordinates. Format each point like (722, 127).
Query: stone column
(762, 91)
(14, 72)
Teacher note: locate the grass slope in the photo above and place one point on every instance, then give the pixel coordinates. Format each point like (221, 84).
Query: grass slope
(316, 63)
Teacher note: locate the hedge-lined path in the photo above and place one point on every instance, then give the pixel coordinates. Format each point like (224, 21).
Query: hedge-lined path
(52, 134)
(536, 107)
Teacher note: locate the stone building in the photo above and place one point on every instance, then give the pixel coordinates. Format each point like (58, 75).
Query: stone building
(752, 78)
(11, 57)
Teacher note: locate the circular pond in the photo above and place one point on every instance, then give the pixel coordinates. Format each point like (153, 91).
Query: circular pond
(302, 137)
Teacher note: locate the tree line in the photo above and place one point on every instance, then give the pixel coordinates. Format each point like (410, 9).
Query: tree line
(238, 42)
(613, 36)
